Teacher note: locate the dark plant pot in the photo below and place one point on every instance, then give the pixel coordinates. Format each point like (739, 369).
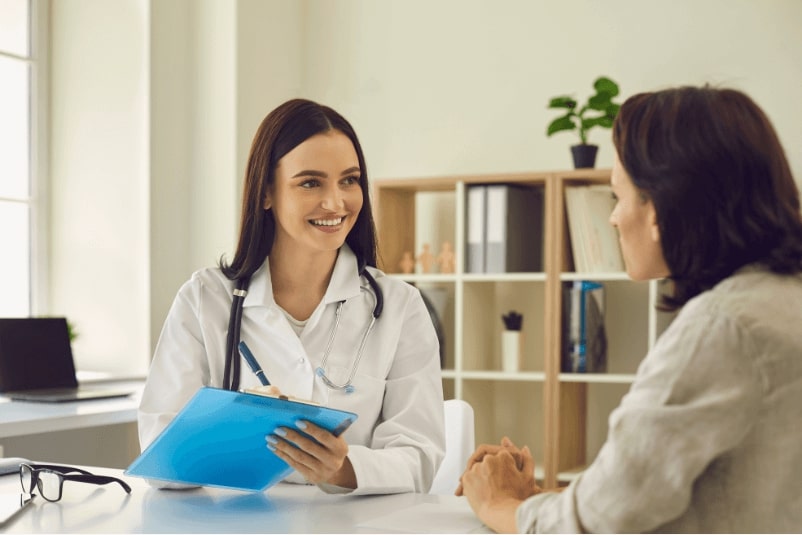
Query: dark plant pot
(584, 155)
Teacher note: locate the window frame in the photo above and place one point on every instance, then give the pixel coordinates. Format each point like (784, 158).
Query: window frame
(40, 156)
(37, 199)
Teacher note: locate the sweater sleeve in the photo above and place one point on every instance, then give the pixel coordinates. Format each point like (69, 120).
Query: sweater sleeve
(694, 398)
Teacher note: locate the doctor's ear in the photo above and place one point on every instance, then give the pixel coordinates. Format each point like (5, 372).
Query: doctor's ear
(268, 202)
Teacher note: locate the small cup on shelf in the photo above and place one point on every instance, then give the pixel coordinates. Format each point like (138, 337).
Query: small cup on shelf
(511, 351)
(511, 341)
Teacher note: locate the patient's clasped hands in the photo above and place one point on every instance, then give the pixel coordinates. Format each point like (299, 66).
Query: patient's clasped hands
(496, 480)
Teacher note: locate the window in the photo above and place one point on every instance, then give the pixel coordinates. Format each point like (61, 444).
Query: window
(19, 189)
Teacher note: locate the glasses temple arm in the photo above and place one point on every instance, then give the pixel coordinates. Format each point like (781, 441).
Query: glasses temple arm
(99, 480)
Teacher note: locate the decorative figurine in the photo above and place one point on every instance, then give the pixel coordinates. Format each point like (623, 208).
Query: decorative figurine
(407, 264)
(426, 259)
(446, 258)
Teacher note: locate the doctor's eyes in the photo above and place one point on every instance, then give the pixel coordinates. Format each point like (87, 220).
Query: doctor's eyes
(346, 181)
(310, 183)
(350, 180)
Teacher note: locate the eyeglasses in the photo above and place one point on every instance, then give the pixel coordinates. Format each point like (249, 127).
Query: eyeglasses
(49, 479)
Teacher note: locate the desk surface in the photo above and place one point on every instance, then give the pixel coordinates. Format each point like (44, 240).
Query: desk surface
(19, 418)
(284, 508)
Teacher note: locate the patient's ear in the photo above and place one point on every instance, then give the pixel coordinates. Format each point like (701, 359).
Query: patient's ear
(268, 201)
(653, 226)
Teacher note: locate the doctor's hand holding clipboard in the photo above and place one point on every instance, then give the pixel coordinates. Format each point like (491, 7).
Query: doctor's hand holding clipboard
(322, 321)
(316, 453)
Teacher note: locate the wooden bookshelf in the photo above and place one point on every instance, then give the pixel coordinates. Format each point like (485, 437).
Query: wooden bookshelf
(562, 417)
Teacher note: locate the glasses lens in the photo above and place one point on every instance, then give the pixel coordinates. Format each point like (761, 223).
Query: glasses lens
(50, 485)
(26, 478)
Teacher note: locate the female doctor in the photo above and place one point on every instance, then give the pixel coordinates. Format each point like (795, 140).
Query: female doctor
(307, 291)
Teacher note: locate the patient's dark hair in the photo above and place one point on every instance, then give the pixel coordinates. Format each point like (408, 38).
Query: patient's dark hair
(713, 166)
(281, 131)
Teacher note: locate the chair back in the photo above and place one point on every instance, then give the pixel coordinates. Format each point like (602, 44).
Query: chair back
(460, 444)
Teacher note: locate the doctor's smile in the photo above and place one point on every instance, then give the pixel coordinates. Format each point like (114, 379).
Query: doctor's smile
(328, 222)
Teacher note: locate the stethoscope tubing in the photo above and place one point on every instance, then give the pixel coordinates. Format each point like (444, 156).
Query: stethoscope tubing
(231, 372)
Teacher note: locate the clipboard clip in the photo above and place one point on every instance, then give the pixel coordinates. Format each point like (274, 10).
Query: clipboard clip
(269, 394)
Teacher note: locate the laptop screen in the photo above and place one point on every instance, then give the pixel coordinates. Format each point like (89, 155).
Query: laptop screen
(35, 353)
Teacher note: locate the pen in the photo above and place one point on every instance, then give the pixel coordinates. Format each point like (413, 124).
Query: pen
(248, 356)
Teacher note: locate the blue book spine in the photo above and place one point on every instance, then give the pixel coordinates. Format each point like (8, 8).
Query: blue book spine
(580, 294)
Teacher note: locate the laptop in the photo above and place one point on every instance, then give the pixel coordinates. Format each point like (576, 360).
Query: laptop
(36, 363)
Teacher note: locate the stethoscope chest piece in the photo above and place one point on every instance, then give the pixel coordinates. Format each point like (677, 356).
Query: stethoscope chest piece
(348, 386)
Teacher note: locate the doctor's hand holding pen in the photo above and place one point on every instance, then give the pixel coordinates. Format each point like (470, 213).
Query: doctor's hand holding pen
(314, 452)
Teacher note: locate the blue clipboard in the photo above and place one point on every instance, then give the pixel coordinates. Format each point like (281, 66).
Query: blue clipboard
(218, 440)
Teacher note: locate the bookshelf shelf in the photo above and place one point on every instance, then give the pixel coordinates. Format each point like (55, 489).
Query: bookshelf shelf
(623, 378)
(504, 277)
(428, 277)
(561, 416)
(503, 376)
(594, 276)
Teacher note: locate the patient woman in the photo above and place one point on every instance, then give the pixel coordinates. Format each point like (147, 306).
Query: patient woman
(708, 438)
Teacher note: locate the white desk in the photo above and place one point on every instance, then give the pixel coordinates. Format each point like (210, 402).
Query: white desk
(285, 508)
(21, 418)
(101, 431)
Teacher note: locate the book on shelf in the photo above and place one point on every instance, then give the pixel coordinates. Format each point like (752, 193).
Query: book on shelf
(584, 339)
(594, 241)
(475, 232)
(504, 229)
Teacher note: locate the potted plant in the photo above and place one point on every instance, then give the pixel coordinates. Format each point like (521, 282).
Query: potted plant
(574, 118)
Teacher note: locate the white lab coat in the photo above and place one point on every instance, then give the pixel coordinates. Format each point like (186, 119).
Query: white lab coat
(398, 440)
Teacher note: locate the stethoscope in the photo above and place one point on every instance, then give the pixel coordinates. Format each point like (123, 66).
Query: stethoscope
(232, 368)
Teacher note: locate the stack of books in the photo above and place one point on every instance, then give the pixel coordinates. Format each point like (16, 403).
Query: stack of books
(594, 241)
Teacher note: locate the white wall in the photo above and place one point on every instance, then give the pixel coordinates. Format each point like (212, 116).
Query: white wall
(99, 179)
(155, 104)
(270, 40)
(167, 110)
(172, 113)
(461, 86)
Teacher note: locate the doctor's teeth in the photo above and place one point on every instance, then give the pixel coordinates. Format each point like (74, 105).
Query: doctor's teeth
(328, 222)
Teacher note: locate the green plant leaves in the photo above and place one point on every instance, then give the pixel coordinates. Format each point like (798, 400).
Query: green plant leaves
(73, 334)
(601, 101)
(590, 122)
(566, 122)
(563, 102)
(606, 89)
(605, 85)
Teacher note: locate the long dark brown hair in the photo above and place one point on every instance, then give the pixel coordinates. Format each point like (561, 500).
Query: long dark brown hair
(282, 130)
(713, 166)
